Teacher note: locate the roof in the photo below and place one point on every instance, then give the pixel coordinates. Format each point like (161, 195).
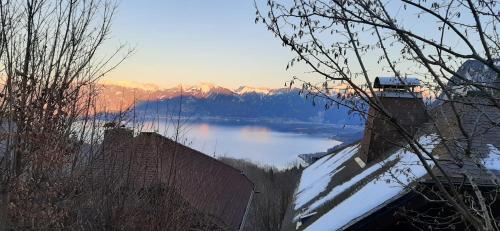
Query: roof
(210, 186)
(480, 120)
(381, 82)
(334, 185)
(338, 200)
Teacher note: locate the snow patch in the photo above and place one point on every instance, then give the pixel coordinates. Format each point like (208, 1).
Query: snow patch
(492, 162)
(203, 88)
(246, 89)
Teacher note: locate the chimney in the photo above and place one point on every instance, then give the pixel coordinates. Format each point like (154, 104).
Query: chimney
(399, 98)
(114, 134)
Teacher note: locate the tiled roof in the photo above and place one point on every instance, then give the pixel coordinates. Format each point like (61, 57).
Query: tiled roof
(210, 186)
(481, 122)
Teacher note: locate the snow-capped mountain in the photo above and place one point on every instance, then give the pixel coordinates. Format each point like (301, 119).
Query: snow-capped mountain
(210, 100)
(247, 89)
(205, 89)
(472, 73)
(202, 90)
(131, 84)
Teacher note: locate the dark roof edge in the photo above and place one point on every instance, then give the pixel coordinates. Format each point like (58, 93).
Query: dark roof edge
(372, 211)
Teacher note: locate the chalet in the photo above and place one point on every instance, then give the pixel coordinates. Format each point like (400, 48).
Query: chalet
(370, 185)
(210, 187)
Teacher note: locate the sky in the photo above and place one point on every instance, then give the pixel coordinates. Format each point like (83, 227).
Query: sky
(194, 41)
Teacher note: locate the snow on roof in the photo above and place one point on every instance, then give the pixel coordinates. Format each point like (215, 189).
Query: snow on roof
(492, 161)
(338, 189)
(386, 187)
(395, 81)
(316, 177)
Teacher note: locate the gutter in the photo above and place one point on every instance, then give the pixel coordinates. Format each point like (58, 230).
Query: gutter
(246, 210)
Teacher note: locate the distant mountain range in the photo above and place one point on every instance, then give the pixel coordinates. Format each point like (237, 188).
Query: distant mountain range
(209, 101)
(118, 96)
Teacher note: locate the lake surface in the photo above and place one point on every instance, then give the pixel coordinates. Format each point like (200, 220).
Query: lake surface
(260, 145)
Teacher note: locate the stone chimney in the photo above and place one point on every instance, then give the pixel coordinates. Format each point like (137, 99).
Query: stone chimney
(399, 98)
(113, 133)
(117, 139)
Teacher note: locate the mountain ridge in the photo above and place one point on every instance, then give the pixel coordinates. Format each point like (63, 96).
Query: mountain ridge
(245, 104)
(202, 89)
(115, 96)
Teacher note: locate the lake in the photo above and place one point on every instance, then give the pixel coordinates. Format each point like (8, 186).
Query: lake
(259, 144)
